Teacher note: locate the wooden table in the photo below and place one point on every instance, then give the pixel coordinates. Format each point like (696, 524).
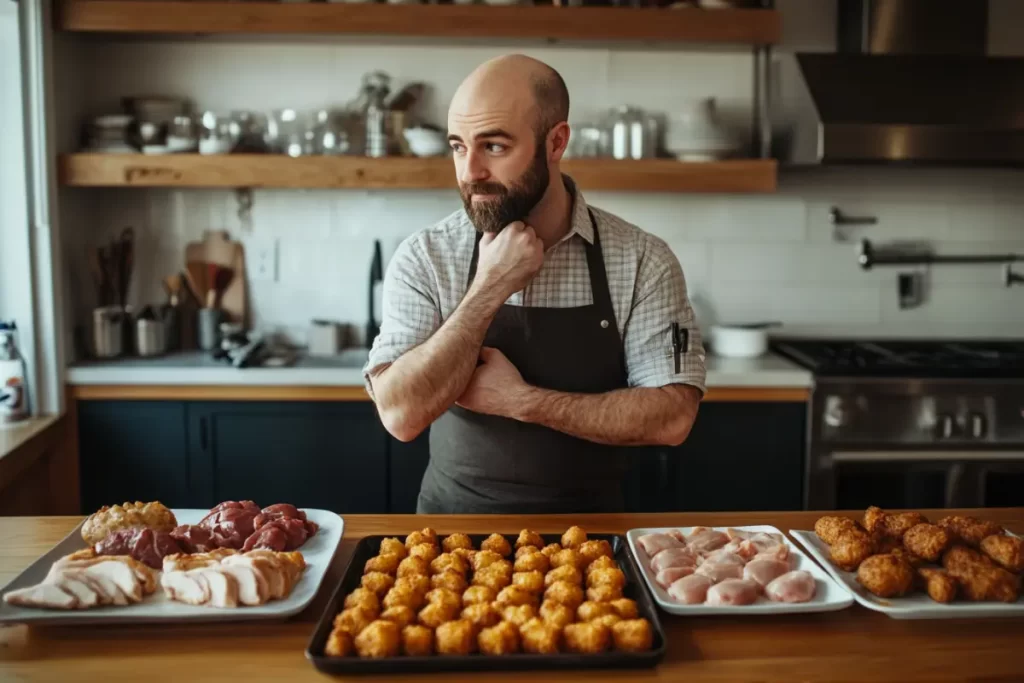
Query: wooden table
(853, 644)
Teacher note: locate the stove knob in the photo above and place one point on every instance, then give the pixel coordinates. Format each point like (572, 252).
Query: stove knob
(835, 412)
(978, 425)
(946, 426)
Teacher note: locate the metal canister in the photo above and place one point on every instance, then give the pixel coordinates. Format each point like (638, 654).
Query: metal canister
(150, 337)
(107, 331)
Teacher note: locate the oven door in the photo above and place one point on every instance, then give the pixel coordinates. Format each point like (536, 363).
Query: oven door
(855, 479)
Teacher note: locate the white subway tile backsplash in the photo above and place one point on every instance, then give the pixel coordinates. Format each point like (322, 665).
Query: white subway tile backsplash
(991, 305)
(796, 304)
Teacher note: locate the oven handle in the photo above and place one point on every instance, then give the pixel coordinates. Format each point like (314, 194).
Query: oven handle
(925, 456)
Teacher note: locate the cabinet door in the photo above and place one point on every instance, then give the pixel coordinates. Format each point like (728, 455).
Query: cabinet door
(743, 456)
(133, 450)
(650, 482)
(311, 454)
(408, 462)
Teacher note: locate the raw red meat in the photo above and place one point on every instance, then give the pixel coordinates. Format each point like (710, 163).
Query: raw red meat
(194, 538)
(145, 545)
(231, 523)
(270, 537)
(284, 511)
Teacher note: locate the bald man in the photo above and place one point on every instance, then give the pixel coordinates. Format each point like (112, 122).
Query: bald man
(536, 336)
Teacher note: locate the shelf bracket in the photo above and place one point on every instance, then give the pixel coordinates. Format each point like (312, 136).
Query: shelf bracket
(243, 196)
(762, 105)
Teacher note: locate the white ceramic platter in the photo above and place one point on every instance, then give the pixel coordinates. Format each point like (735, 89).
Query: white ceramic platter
(915, 606)
(828, 597)
(318, 552)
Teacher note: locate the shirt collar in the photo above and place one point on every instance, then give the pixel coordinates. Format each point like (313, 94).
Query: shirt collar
(581, 224)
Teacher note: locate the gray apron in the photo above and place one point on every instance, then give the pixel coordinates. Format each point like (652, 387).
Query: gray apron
(483, 464)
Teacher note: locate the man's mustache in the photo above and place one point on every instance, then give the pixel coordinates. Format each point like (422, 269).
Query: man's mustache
(484, 188)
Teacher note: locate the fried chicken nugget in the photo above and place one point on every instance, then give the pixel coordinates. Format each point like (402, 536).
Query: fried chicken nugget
(980, 582)
(451, 580)
(587, 638)
(928, 541)
(501, 639)
(413, 565)
(478, 594)
(574, 537)
(540, 637)
(569, 594)
(969, 530)
(339, 644)
(379, 639)
(874, 518)
(456, 541)
(897, 524)
(481, 615)
(498, 544)
(455, 638)
(364, 599)
(528, 537)
(393, 546)
(632, 635)
(885, 543)
(960, 557)
(532, 582)
(1008, 551)
(417, 641)
(887, 576)
(556, 613)
(914, 560)
(940, 586)
(532, 562)
(851, 547)
(402, 615)
(829, 527)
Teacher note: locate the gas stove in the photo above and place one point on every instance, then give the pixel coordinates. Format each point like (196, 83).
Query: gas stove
(942, 418)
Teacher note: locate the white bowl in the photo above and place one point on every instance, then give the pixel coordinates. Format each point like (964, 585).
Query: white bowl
(424, 142)
(738, 341)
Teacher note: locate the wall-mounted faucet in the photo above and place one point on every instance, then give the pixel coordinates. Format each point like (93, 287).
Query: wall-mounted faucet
(840, 220)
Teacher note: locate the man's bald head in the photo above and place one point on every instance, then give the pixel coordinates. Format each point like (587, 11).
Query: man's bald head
(511, 78)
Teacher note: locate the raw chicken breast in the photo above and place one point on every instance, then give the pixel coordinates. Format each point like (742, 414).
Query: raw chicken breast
(733, 592)
(666, 577)
(780, 552)
(674, 557)
(765, 542)
(740, 547)
(653, 544)
(720, 571)
(763, 572)
(794, 586)
(738, 534)
(679, 535)
(706, 540)
(724, 556)
(690, 590)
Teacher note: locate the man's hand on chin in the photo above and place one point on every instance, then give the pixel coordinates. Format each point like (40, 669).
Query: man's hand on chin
(496, 387)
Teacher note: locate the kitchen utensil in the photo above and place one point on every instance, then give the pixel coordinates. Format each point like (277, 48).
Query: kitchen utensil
(588, 141)
(406, 98)
(324, 338)
(740, 341)
(208, 322)
(376, 86)
(222, 278)
(696, 133)
(217, 247)
(107, 331)
(632, 134)
(248, 132)
(425, 142)
(150, 339)
(215, 134)
(172, 285)
(376, 276)
(196, 273)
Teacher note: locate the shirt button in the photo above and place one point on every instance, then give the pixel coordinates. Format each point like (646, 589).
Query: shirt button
(604, 324)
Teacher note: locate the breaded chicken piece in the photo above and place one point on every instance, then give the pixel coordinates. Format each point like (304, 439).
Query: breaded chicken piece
(829, 527)
(1008, 551)
(895, 525)
(914, 560)
(108, 519)
(960, 556)
(873, 518)
(969, 530)
(887, 576)
(928, 541)
(940, 586)
(850, 548)
(979, 582)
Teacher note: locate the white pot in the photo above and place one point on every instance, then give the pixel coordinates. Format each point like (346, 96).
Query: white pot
(739, 341)
(695, 133)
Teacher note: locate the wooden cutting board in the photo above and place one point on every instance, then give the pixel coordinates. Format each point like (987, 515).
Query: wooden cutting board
(218, 247)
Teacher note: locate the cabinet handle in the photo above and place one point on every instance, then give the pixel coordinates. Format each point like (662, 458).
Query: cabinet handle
(202, 433)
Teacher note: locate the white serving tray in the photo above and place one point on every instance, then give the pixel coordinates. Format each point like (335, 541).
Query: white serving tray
(915, 606)
(318, 552)
(829, 596)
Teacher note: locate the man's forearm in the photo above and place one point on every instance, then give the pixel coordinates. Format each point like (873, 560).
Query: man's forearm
(418, 387)
(624, 417)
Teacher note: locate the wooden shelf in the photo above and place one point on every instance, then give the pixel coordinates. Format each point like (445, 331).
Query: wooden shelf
(738, 26)
(398, 173)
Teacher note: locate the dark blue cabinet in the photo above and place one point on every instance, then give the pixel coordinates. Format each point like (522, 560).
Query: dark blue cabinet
(311, 454)
(408, 462)
(133, 450)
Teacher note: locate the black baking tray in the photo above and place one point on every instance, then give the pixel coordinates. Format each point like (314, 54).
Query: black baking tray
(370, 546)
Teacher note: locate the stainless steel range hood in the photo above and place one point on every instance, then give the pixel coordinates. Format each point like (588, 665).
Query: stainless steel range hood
(909, 83)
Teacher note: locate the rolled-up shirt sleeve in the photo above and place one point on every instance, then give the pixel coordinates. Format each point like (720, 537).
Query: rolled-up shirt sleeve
(659, 300)
(411, 310)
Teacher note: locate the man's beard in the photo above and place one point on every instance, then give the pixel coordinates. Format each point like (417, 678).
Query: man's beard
(509, 204)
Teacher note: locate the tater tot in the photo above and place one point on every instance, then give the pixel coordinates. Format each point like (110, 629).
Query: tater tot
(556, 613)
(417, 583)
(591, 550)
(887, 576)
(566, 572)
(417, 641)
(592, 610)
(427, 551)
(551, 549)
(444, 596)
(427, 535)
(927, 540)
(455, 638)
(569, 594)
(541, 638)
(603, 562)
(574, 537)
(478, 594)
(485, 558)
(532, 562)
(501, 639)
(518, 614)
(514, 595)
(829, 527)
(446, 562)
(456, 541)
(609, 577)
(497, 543)
(339, 644)
(402, 615)
(587, 638)
(940, 586)
(379, 639)
(532, 582)
(527, 537)
(451, 580)
(413, 565)
(1007, 551)
(378, 582)
(495, 580)
(393, 546)
(632, 635)
(608, 620)
(364, 599)
(526, 550)
(466, 554)
(436, 613)
(605, 592)
(625, 608)
(481, 615)
(387, 564)
(568, 557)
(403, 596)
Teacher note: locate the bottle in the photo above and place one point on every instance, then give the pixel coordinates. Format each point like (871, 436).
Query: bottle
(13, 383)
(377, 86)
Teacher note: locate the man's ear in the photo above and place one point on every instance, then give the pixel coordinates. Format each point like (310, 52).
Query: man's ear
(558, 140)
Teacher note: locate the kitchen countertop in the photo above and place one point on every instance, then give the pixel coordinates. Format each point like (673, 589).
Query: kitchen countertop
(848, 645)
(196, 368)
